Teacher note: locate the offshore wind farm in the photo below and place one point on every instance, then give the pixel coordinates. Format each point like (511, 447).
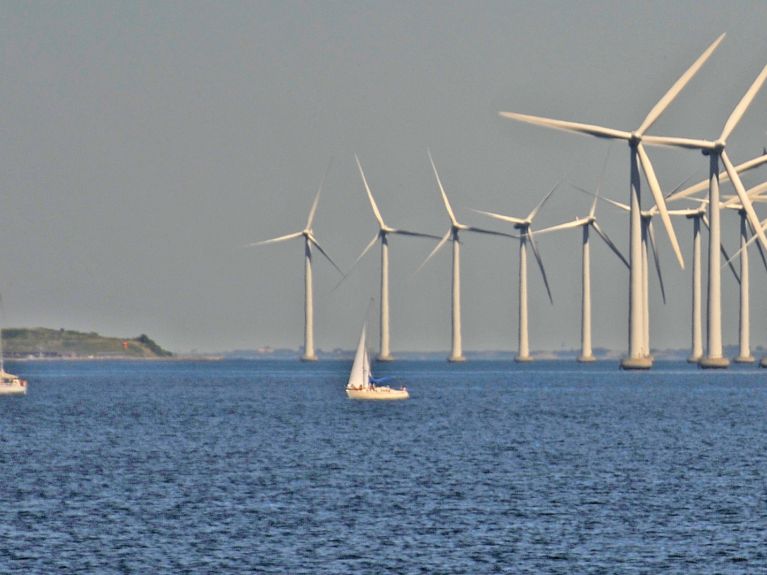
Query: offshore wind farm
(261, 186)
(641, 236)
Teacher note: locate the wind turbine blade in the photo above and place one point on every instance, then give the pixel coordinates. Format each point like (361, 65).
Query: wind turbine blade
(651, 238)
(413, 234)
(365, 251)
(537, 255)
(759, 246)
(723, 177)
(744, 200)
(606, 239)
(537, 208)
(743, 105)
(489, 232)
(501, 217)
(442, 191)
(275, 240)
(324, 253)
(358, 260)
(727, 259)
(435, 250)
(674, 91)
(685, 212)
(313, 211)
(588, 129)
(618, 205)
(593, 210)
(757, 190)
(688, 143)
(659, 201)
(577, 223)
(376, 211)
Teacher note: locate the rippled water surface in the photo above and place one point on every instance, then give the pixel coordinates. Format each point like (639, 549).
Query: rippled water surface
(266, 467)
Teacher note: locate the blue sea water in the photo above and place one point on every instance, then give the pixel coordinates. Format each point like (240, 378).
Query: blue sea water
(491, 467)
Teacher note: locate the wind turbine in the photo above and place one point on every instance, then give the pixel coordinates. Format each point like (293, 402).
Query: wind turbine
(382, 236)
(525, 237)
(452, 234)
(715, 150)
(744, 315)
(309, 240)
(648, 244)
(586, 224)
(637, 156)
(698, 215)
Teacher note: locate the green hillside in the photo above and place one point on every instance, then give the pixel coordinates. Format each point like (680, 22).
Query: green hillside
(44, 342)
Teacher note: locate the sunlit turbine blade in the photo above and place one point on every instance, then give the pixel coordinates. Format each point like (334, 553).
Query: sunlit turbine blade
(688, 143)
(537, 255)
(438, 247)
(313, 211)
(489, 232)
(588, 129)
(413, 234)
(654, 209)
(729, 260)
(537, 208)
(442, 191)
(606, 239)
(376, 211)
(685, 212)
(656, 258)
(754, 194)
(565, 226)
(744, 201)
(501, 217)
(674, 91)
(723, 177)
(275, 240)
(660, 202)
(743, 105)
(324, 253)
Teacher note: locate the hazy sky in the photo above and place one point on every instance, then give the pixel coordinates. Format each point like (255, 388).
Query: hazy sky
(143, 144)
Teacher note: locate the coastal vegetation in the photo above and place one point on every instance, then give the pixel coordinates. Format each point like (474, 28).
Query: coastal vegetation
(53, 343)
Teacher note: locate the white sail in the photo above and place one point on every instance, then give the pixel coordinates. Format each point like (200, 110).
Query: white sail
(359, 376)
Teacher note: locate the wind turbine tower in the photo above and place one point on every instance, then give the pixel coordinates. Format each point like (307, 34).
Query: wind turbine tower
(309, 240)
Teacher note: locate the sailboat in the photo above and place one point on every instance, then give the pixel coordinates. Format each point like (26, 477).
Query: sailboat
(362, 384)
(10, 384)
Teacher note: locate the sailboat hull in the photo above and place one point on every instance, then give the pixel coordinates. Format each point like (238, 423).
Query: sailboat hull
(13, 386)
(378, 393)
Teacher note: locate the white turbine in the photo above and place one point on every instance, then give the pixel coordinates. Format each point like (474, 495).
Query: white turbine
(744, 315)
(715, 150)
(525, 238)
(586, 224)
(309, 240)
(382, 236)
(637, 156)
(456, 351)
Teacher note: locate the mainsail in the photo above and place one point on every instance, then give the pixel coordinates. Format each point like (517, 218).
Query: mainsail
(359, 378)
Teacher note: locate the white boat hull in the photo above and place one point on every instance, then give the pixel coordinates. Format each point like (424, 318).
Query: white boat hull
(13, 387)
(378, 393)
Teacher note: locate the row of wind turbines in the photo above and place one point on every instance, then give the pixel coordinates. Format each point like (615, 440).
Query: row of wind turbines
(641, 238)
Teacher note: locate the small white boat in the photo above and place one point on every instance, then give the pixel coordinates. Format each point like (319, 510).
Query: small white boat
(361, 384)
(10, 384)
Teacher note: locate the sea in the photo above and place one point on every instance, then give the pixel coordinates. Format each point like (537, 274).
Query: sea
(490, 467)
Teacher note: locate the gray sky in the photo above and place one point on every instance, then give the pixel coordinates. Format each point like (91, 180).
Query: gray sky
(143, 144)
